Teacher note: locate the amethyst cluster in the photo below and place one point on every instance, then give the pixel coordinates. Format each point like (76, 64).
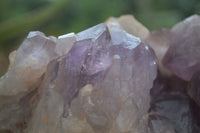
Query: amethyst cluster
(115, 77)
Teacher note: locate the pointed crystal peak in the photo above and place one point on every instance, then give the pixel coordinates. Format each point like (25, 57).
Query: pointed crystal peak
(93, 32)
(191, 21)
(35, 33)
(120, 37)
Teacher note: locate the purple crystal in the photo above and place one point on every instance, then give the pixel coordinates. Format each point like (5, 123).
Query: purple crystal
(114, 63)
(105, 81)
(183, 55)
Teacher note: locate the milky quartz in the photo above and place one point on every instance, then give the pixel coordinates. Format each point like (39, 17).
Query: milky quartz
(28, 63)
(159, 41)
(18, 87)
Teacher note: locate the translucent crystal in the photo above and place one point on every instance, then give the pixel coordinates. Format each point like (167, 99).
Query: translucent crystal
(18, 85)
(183, 55)
(105, 80)
(101, 83)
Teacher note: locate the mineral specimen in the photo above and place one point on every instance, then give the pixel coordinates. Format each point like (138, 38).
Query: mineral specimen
(183, 55)
(19, 84)
(105, 80)
(101, 83)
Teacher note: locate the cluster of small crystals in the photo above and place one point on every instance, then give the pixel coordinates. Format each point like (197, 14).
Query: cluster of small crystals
(116, 77)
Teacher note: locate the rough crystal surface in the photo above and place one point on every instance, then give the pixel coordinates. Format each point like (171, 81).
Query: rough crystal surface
(18, 85)
(28, 63)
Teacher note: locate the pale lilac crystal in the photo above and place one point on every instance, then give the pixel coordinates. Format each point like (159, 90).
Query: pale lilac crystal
(104, 80)
(183, 55)
(103, 85)
(116, 79)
